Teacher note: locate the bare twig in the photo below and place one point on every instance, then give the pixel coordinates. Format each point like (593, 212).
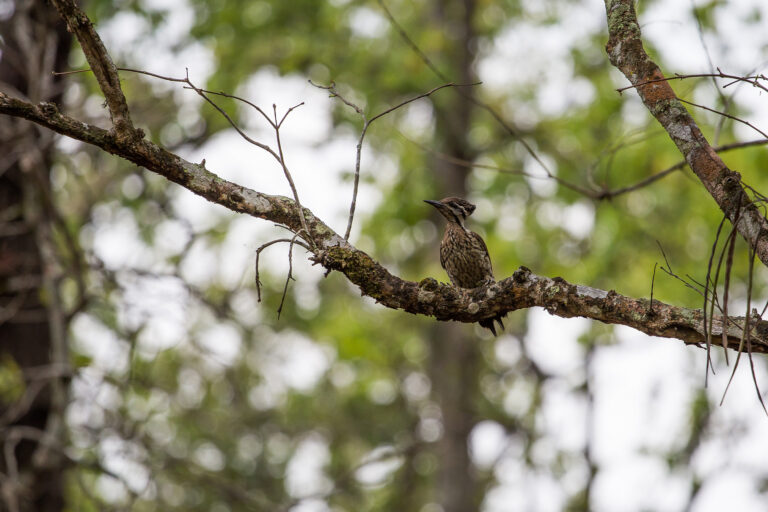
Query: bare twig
(474, 165)
(730, 244)
(279, 156)
(607, 194)
(725, 114)
(653, 281)
(708, 331)
(752, 80)
(668, 270)
(746, 327)
(288, 177)
(366, 124)
(600, 194)
(264, 246)
(289, 277)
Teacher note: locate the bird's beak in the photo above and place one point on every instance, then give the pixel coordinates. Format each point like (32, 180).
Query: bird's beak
(436, 204)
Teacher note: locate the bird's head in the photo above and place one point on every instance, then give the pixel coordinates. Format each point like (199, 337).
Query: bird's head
(454, 209)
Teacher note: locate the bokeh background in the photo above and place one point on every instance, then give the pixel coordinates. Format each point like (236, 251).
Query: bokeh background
(188, 394)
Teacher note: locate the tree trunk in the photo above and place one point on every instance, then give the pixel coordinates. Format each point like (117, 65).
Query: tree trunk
(32, 332)
(455, 360)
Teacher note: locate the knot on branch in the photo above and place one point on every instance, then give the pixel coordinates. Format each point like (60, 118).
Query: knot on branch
(429, 284)
(49, 109)
(522, 274)
(492, 290)
(425, 296)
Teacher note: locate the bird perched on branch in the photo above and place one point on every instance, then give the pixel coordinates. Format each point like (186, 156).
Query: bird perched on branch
(463, 253)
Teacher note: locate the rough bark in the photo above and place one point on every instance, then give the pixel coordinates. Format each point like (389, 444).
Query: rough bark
(31, 475)
(626, 52)
(427, 297)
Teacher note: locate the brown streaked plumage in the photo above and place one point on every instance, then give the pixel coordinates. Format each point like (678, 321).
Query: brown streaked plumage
(463, 253)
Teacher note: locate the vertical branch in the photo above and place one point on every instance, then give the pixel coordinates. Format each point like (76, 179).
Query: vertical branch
(307, 235)
(356, 183)
(746, 327)
(708, 328)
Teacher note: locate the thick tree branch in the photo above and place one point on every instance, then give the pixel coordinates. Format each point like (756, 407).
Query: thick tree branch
(626, 52)
(428, 297)
(101, 64)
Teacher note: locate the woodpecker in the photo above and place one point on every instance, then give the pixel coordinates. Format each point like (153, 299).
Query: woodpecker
(463, 253)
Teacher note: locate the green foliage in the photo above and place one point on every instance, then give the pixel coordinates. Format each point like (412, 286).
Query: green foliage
(12, 384)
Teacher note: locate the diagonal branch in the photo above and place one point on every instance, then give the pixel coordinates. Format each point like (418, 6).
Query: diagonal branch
(101, 64)
(428, 297)
(626, 52)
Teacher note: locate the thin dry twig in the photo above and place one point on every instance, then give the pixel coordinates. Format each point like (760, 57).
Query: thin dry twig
(746, 327)
(276, 125)
(752, 80)
(653, 281)
(708, 329)
(668, 270)
(263, 246)
(289, 277)
(600, 194)
(725, 114)
(366, 124)
(608, 194)
(730, 245)
(470, 165)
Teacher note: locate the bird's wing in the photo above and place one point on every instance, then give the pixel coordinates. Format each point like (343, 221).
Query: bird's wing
(481, 243)
(443, 255)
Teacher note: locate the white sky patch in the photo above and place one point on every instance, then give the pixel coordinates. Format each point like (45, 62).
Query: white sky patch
(222, 341)
(487, 442)
(120, 457)
(289, 360)
(579, 219)
(377, 466)
(132, 42)
(732, 490)
(562, 407)
(633, 479)
(160, 333)
(305, 472)
(551, 341)
(365, 22)
(108, 353)
(116, 237)
(640, 388)
(536, 176)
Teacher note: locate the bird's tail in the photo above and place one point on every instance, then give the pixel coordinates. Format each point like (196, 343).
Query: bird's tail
(488, 323)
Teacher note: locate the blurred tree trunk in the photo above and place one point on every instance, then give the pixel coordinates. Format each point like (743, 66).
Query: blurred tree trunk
(455, 360)
(32, 330)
